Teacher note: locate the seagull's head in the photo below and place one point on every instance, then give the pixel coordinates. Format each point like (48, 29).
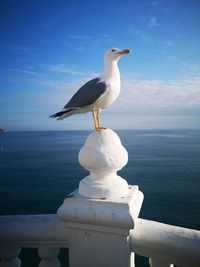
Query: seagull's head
(114, 54)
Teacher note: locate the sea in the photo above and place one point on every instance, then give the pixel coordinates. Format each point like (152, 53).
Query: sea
(38, 169)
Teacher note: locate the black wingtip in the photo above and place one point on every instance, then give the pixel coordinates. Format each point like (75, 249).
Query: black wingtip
(56, 115)
(60, 113)
(52, 116)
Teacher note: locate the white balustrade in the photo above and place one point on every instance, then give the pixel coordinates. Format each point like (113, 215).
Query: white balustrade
(166, 244)
(32, 231)
(9, 257)
(44, 232)
(49, 257)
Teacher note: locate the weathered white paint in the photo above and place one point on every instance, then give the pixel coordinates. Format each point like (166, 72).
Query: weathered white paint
(32, 231)
(103, 155)
(115, 212)
(166, 244)
(99, 228)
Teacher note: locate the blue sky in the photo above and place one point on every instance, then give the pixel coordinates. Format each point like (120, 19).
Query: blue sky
(50, 48)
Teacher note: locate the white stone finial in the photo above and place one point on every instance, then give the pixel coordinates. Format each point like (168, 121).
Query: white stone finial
(103, 155)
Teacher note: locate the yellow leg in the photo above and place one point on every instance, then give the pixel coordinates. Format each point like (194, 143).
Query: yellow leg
(99, 128)
(98, 119)
(95, 119)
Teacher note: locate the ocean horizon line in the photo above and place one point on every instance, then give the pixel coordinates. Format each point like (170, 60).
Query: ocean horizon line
(89, 130)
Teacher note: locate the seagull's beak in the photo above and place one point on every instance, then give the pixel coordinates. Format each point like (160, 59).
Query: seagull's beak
(124, 52)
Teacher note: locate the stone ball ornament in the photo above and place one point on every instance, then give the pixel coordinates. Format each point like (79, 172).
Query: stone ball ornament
(103, 155)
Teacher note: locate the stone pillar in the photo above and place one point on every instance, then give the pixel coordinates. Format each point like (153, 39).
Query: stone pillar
(102, 211)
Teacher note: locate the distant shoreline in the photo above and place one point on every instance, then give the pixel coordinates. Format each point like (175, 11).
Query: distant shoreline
(3, 130)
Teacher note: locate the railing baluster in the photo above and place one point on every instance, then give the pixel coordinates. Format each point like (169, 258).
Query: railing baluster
(159, 263)
(48, 257)
(9, 257)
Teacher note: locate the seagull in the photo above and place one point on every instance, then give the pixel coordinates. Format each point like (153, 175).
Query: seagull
(98, 93)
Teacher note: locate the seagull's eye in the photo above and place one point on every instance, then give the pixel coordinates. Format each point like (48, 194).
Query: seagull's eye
(113, 50)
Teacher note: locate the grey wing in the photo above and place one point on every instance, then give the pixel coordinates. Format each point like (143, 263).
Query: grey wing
(87, 94)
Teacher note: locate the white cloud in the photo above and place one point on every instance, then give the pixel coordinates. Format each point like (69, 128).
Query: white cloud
(136, 94)
(61, 68)
(141, 104)
(21, 71)
(153, 22)
(175, 101)
(140, 34)
(155, 96)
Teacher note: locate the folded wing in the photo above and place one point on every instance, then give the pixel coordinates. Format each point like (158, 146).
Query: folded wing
(87, 94)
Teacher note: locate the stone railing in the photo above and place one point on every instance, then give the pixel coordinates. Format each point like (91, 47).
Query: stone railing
(99, 221)
(165, 244)
(45, 232)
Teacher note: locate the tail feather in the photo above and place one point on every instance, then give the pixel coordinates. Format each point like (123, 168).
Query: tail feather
(59, 114)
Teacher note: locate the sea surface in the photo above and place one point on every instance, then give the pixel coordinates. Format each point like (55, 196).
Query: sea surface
(39, 169)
